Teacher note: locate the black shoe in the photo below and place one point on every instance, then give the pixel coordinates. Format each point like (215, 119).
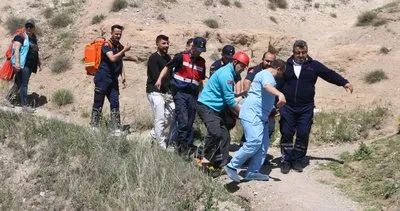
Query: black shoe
(285, 167)
(297, 166)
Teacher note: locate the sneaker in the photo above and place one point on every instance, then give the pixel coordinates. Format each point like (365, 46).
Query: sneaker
(285, 167)
(297, 166)
(28, 109)
(163, 144)
(256, 176)
(232, 173)
(8, 103)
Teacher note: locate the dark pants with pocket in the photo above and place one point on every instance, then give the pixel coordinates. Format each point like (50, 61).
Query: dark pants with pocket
(295, 120)
(185, 112)
(218, 139)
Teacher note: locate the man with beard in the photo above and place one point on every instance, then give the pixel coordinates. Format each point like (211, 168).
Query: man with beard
(298, 86)
(160, 99)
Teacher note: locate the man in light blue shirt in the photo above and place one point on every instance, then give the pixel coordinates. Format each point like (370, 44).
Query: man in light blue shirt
(254, 119)
(216, 95)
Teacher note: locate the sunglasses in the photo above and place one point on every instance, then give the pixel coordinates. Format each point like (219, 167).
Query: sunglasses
(29, 26)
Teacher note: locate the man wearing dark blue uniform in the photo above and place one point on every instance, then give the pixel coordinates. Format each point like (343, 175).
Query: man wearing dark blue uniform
(106, 80)
(298, 87)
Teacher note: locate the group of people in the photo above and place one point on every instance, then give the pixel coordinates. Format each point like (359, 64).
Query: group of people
(176, 92)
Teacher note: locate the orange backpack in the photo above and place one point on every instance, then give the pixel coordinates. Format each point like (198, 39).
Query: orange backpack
(6, 71)
(93, 55)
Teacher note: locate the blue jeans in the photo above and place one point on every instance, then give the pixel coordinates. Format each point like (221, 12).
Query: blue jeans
(185, 112)
(255, 148)
(21, 84)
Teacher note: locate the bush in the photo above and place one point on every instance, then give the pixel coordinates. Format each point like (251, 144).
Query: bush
(208, 2)
(13, 23)
(225, 2)
(273, 19)
(48, 12)
(282, 4)
(61, 64)
(98, 18)
(375, 76)
(63, 97)
(238, 4)
(333, 15)
(67, 40)
(119, 5)
(212, 23)
(370, 18)
(316, 5)
(384, 50)
(61, 20)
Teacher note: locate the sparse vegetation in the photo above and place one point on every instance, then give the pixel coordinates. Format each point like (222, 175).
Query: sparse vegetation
(375, 76)
(61, 20)
(79, 169)
(316, 5)
(273, 19)
(333, 15)
(63, 97)
(61, 64)
(225, 2)
(119, 5)
(13, 23)
(48, 12)
(375, 168)
(208, 2)
(370, 18)
(384, 50)
(347, 126)
(238, 4)
(98, 18)
(66, 39)
(282, 4)
(212, 23)
(162, 17)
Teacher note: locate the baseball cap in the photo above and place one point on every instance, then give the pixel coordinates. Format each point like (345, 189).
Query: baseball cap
(200, 44)
(30, 22)
(228, 51)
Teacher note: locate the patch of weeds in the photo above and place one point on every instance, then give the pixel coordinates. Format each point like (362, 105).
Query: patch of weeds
(272, 6)
(61, 64)
(316, 5)
(370, 18)
(273, 19)
(282, 4)
(225, 2)
(384, 50)
(119, 5)
(208, 3)
(13, 23)
(238, 4)
(62, 97)
(362, 153)
(212, 23)
(67, 40)
(98, 18)
(61, 20)
(48, 12)
(333, 5)
(375, 76)
(161, 17)
(333, 15)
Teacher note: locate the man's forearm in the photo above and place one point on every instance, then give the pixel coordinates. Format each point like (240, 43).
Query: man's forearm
(16, 56)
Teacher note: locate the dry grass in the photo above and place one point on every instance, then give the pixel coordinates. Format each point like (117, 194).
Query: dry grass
(212, 23)
(61, 64)
(61, 20)
(225, 2)
(282, 4)
(375, 76)
(370, 18)
(63, 97)
(119, 5)
(98, 18)
(13, 23)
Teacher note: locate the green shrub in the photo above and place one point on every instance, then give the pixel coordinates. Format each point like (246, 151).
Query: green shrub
(225, 2)
(212, 23)
(363, 152)
(370, 18)
(63, 97)
(98, 18)
(61, 20)
(67, 40)
(333, 15)
(238, 4)
(48, 12)
(61, 64)
(375, 76)
(13, 23)
(119, 5)
(316, 5)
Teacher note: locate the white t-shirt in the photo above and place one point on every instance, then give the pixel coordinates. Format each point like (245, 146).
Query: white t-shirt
(297, 69)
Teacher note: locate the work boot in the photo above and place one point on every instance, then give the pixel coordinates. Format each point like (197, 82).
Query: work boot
(95, 118)
(297, 166)
(285, 167)
(115, 122)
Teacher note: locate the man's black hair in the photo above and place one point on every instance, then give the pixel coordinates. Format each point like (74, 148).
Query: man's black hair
(161, 37)
(300, 44)
(189, 41)
(116, 26)
(279, 63)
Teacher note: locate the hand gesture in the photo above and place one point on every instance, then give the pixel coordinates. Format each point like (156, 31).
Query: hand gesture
(281, 100)
(127, 47)
(158, 84)
(348, 87)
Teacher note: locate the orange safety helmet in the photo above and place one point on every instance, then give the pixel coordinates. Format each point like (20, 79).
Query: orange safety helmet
(242, 57)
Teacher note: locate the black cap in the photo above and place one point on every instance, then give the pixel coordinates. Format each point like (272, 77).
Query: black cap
(30, 22)
(228, 51)
(200, 44)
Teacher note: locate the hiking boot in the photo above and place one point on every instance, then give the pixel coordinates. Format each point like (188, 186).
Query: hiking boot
(232, 173)
(28, 109)
(256, 176)
(297, 166)
(115, 120)
(285, 167)
(95, 118)
(8, 103)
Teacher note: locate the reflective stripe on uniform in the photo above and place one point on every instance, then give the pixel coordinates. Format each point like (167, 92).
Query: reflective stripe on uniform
(187, 80)
(195, 67)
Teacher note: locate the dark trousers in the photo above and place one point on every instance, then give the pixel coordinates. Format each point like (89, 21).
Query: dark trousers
(106, 89)
(295, 119)
(21, 84)
(185, 112)
(218, 139)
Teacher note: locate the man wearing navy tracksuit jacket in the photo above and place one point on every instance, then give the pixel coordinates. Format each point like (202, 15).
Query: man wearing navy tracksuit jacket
(298, 86)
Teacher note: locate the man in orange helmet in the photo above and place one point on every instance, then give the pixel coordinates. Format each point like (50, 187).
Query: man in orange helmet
(254, 119)
(216, 95)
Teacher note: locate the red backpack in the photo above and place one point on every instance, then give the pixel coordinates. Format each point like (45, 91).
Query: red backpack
(6, 71)
(93, 55)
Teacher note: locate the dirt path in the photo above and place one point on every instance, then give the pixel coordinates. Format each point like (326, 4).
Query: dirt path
(311, 190)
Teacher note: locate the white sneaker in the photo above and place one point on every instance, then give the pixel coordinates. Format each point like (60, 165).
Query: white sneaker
(163, 144)
(152, 134)
(8, 103)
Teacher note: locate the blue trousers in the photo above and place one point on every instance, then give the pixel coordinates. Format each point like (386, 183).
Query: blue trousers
(21, 81)
(255, 148)
(185, 112)
(295, 120)
(106, 88)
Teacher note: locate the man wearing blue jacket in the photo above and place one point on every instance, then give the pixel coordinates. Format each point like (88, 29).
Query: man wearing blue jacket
(216, 95)
(298, 86)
